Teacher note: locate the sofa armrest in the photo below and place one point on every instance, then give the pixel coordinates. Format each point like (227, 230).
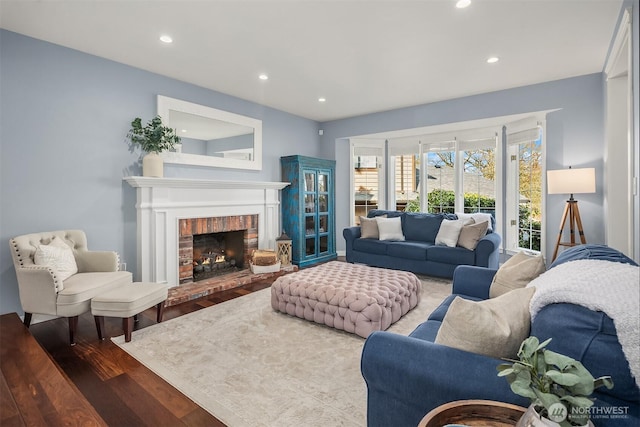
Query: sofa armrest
(472, 281)
(488, 251)
(407, 377)
(350, 234)
(97, 261)
(38, 286)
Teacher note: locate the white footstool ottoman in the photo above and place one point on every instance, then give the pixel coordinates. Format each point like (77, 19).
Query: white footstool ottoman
(126, 302)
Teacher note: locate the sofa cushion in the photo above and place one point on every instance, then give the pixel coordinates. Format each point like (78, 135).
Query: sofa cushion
(428, 330)
(516, 272)
(453, 256)
(59, 256)
(409, 250)
(471, 234)
(591, 338)
(369, 227)
(421, 227)
(439, 313)
(449, 232)
(390, 228)
(371, 246)
(494, 327)
(591, 251)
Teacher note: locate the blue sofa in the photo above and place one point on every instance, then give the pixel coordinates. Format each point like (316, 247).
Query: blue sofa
(408, 376)
(419, 253)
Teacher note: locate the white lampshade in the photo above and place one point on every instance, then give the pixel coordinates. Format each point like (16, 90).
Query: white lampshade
(571, 181)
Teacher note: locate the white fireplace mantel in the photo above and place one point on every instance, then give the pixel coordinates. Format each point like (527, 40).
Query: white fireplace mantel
(161, 202)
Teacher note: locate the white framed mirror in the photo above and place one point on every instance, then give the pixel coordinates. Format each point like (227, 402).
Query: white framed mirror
(211, 137)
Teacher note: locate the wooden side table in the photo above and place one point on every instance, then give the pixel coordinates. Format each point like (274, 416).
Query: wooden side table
(474, 413)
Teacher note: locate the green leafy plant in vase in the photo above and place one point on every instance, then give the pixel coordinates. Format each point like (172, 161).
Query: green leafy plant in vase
(558, 386)
(153, 138)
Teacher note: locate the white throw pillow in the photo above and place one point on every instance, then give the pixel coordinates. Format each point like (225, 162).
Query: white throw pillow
(477, 217)
(57, 255)
(390, 228)
(449, 232)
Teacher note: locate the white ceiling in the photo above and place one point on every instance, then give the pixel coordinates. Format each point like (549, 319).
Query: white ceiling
(363, 56)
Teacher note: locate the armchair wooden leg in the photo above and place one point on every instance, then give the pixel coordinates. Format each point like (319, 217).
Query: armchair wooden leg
(127, 325)
(27, 319)
(99, 326)
(73, 327)
(160, 311)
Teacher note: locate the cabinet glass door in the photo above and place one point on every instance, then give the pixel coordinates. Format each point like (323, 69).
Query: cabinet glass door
(323, 211)
(317, 233)
(310, 213)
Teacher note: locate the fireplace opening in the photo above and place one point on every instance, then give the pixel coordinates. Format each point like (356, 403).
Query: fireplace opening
(216, 254)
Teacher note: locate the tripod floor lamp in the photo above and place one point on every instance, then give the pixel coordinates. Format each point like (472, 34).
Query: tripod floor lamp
(571, 181)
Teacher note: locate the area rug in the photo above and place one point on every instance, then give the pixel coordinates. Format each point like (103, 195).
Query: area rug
(249, 365)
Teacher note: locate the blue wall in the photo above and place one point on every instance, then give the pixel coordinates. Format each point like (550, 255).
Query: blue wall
(575, 136)
(64, 119)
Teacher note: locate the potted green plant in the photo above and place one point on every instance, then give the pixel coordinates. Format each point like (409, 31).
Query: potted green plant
(558, 386)
(153, 138)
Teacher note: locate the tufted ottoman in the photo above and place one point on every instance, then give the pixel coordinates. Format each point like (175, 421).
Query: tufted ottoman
(351, 297)
(126, 302)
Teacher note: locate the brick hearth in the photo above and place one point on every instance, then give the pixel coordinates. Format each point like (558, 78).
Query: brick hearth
(191, 291)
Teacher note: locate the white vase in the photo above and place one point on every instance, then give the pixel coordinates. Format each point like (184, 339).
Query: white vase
(152, 165)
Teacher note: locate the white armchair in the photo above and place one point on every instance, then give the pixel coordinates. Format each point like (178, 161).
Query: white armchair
(43, 291)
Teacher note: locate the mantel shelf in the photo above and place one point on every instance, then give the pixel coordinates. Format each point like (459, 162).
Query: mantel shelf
(147, 182)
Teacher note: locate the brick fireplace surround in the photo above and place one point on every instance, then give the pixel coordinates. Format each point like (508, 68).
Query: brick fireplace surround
(164, 206)
(189, 227)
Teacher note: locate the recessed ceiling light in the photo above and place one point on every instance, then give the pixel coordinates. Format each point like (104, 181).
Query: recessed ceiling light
(322, 99)
(461, 4)
(493, 60)
(263, 77)
(166, 39)
(183, 131)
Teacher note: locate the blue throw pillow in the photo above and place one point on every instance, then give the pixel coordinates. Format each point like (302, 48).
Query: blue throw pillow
(590, 251)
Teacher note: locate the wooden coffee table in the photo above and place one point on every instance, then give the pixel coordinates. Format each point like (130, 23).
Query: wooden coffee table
(474, 413)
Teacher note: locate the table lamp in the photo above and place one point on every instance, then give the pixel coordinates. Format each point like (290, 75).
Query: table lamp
(571, 181)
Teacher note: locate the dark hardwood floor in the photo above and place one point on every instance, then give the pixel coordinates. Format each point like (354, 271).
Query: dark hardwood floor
(122, 391)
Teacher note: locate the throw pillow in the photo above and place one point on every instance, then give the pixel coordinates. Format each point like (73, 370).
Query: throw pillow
(516, 273)
(369, 227)
(390, 228)
(494, 327)
(477, 217)
(470, 235)
(57, 255)
(449, 232)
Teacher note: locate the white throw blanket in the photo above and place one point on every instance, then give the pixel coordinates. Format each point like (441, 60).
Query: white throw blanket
(610, 287)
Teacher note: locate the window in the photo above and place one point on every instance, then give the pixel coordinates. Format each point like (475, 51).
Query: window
(524, 189)
(496, 169)
(440, 188)
(367, 177)
(479, 175)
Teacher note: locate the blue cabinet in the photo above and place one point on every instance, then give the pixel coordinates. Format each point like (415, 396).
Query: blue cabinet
(308, 206)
